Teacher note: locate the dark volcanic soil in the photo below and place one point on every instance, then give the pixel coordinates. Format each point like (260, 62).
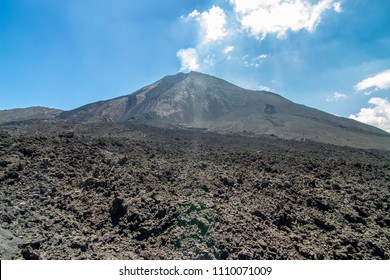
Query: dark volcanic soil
(113, 191)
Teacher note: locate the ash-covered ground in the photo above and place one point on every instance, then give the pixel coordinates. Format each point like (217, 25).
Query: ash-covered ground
(126, 191)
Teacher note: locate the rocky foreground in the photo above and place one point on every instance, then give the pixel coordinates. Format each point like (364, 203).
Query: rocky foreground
(116, 191)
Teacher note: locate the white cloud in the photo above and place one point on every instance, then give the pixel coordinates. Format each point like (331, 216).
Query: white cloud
(337, 7)
(378, 116)
(193, 14)
(228, 49)
(189, 59)
(256, 62)
(336, 96)
(212, 23)
(209, 60)
(212, 28)
(240, 19)
(279, 16)
(264, 88)
(380, 81)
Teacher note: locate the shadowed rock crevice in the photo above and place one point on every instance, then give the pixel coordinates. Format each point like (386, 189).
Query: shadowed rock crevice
(117, 211)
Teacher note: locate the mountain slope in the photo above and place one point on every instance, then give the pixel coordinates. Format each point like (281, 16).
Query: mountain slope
(202, 101)
(31, 113)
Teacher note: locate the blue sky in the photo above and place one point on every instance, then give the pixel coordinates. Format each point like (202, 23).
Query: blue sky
(331, 55)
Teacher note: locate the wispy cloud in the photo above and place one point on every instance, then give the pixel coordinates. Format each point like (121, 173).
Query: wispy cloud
(254, 61)
(378, 115)
(336, 96)
(189, 59)
(194, 14)
(378, 82)
(228, 49)
(265, 88)
(337, 7)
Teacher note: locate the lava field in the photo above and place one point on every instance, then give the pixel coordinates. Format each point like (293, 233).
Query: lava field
(127, 191)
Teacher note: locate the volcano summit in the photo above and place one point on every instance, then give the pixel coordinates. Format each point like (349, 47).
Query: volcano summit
(201, 101)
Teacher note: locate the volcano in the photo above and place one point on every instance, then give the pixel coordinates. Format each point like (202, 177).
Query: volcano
(196, 100)
(192, 167)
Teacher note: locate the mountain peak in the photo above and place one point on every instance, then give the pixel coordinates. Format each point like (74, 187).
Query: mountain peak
(194, 75)
(199, 100)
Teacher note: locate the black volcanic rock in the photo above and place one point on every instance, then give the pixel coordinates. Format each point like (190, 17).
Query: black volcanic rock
(201, 101)
(132, 191)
